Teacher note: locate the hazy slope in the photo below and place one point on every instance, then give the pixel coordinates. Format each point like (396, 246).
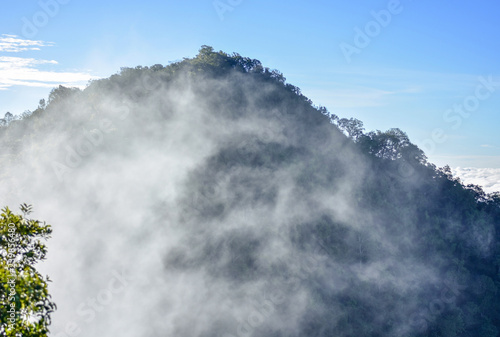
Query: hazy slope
(236, 208)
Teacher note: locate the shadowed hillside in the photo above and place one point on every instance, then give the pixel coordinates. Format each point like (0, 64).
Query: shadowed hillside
(238, 208)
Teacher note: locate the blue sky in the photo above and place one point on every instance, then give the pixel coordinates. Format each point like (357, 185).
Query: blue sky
(406, 70)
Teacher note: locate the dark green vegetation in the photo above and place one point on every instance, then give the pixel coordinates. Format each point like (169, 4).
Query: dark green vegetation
(356, 231)
(25, 305)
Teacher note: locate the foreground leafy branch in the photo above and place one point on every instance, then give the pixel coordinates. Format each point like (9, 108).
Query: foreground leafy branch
(25, 304)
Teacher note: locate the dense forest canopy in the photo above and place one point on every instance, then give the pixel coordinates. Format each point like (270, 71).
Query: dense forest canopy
(251, 210)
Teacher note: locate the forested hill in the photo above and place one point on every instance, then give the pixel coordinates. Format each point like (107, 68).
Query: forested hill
(251, 211)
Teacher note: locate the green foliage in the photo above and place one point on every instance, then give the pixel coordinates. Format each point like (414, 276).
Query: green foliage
(25, 304)
(8, 118)
(353, 127)
(58, 94)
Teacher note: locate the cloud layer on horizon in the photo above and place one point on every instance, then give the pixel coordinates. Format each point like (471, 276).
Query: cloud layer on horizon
(488, 178)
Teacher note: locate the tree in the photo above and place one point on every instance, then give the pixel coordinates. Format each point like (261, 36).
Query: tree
(42, 104)
(352, 127)
(25, 304)
(7, 119)
(60, 93)
(391, 144)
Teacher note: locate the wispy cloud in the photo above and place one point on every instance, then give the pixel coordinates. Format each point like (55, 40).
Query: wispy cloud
(14, 44)
(24, 72)
(21, 71)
